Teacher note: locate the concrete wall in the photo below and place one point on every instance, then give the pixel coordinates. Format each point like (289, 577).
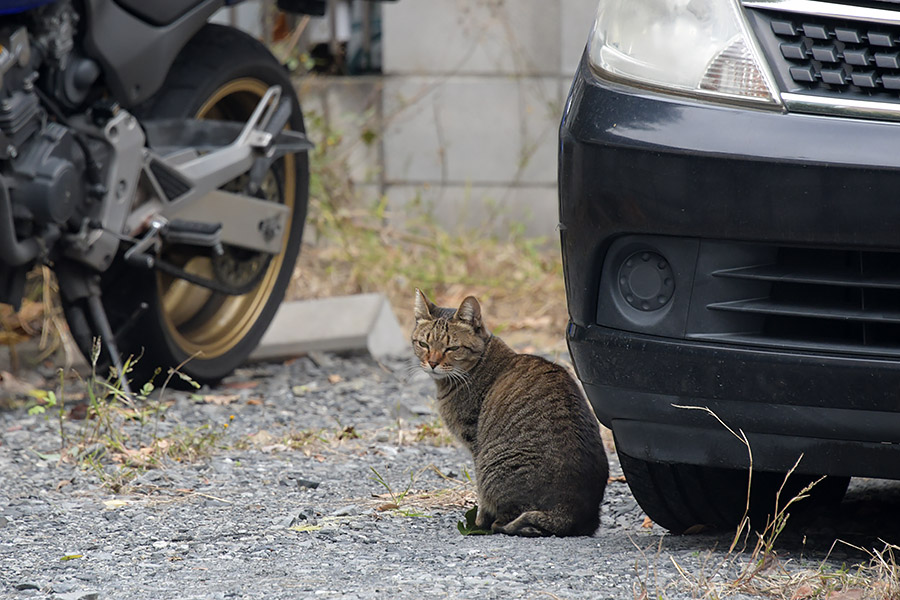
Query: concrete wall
(246, 16)
(466, 112)
(474, 91)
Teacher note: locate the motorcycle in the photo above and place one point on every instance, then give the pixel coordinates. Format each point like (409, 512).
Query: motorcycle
(158, 164)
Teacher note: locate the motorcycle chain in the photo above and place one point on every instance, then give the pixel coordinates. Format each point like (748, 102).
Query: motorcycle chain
(210, 284)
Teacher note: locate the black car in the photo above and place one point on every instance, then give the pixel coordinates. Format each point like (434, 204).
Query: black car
(729, 180)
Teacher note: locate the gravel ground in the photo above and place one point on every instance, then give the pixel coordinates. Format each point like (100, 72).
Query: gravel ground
(288, 504)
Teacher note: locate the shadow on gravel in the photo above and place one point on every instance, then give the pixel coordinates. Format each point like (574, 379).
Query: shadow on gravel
(867, 518)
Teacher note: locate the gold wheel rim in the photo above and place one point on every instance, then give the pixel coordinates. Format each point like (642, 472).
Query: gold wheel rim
(203, 323)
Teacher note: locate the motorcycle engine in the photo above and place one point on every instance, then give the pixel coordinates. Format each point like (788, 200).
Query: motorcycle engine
(42, 161)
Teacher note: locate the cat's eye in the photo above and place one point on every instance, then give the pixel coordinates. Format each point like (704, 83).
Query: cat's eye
(452, 348)
(422, 344)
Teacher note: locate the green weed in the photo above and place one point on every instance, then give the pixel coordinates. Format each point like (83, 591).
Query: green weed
(396, 497)
(119, 435)
(469, 527)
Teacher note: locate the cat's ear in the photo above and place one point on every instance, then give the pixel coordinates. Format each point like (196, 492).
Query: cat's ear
(469, 312)
(424, 307)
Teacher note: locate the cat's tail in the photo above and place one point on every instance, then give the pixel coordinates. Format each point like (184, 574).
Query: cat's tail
(539, 523)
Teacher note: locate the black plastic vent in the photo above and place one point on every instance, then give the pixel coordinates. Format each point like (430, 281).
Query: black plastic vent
(831, 57)
(799, 298)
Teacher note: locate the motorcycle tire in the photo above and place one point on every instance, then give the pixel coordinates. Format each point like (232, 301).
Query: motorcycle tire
(690, 499)
(221, 73)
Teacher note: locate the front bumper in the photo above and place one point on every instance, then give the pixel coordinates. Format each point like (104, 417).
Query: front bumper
(644, 167)
(660, 396)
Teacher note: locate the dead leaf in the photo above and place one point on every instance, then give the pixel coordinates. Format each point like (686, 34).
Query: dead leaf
(12, 385)
(30, 311)
(221, 400)
(617, 479)
(648, 523)
(71, 557)
(536, 322)
(695, 529)
(9, 338)
(261, 438)
(274, 448)
(78, 412)
(387, 506)
(849, 594)
(240, 385)
(63, 483)
(130, 414)
(348, 432)
(114, 504)
(255, 401)
(803, 592)
(335, 378)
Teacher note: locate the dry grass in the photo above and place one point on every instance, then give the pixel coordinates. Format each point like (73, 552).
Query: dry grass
(518, 281)
(412, 501)
(356, 245)
(455, 497)
(753, 567)
(39, 318)
(739, 576)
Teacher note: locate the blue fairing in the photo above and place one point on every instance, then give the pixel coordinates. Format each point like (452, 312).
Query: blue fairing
(11, 7)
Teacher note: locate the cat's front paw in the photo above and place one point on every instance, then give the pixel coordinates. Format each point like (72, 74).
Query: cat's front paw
(483, 520)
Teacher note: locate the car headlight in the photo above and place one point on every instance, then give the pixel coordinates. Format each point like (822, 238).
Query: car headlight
(698, 47)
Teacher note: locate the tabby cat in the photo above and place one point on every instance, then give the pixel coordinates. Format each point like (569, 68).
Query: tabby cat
(539, 462)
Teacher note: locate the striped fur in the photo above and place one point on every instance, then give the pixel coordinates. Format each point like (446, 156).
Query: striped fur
(539, 460)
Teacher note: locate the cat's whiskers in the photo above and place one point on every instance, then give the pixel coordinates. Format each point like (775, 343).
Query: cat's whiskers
(412, 369)
(461, 378)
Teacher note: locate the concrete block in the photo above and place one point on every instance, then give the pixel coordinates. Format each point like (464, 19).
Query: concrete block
(576, 20)
(490, 210)
(471, 37)
(360, 322)
(471, 130)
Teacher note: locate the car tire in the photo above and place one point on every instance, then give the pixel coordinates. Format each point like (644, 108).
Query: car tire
(689, 499)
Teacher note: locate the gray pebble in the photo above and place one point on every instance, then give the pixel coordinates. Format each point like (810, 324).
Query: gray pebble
(346, 511)
(78, 596)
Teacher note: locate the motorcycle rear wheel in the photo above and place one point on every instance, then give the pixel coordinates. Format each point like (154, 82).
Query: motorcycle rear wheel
(166, 321)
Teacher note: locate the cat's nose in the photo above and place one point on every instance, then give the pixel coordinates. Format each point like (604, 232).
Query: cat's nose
(433, 364)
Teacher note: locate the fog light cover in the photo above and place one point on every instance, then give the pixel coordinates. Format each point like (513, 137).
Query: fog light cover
(646, 281)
